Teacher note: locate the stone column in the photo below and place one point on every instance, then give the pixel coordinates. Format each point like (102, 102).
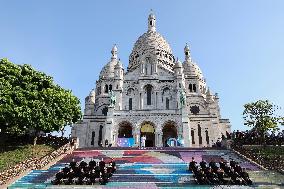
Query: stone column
(141, 100)
(186, 135)
(156, 139)
(108, 128)
(114, 138)
(196, 138)
(160, 139)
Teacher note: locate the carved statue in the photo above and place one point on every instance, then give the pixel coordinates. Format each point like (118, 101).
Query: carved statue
(182, 98)
(112, 99)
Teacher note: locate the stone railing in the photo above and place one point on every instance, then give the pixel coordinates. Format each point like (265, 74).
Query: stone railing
(33, 163)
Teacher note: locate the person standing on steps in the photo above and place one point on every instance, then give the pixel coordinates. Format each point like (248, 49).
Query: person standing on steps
(143, 140)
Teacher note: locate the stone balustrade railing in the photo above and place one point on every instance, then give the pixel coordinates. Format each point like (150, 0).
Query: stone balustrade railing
(32, 163)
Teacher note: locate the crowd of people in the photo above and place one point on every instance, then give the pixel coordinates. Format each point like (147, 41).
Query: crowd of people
(227, 173)
(253, 137)
(83, 173)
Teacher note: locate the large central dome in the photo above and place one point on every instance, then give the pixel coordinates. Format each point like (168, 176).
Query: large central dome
(154, 44)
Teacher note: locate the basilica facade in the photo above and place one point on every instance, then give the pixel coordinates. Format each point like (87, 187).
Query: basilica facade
(157, 100)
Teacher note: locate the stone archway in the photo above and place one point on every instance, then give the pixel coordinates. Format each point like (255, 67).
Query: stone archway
(169, 132)
(125, 130)
(147, 130)
(125, 135)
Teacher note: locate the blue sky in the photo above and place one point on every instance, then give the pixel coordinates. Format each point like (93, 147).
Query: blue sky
(237, 44)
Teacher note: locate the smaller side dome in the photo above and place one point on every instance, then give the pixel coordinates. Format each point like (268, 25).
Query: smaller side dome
(108, 69)
(192, 69)
(178, 64)
(118, 65)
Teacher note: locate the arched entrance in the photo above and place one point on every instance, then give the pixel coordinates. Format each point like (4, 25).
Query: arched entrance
(125, 137)
(147, 130)
(169, 134)
(125, 130)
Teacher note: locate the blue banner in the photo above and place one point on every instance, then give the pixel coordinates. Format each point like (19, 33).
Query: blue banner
(125, 142)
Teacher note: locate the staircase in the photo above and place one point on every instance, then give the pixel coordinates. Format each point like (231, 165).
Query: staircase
(152, 168)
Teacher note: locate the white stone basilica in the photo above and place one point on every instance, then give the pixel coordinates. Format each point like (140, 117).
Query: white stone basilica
(157, 97)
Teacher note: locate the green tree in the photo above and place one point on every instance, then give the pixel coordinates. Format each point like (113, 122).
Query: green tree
(31, 101)
(261, 115)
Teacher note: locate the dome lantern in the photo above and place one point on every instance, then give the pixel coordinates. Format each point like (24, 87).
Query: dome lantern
(187, 53)
(151, 22)
(114, 52)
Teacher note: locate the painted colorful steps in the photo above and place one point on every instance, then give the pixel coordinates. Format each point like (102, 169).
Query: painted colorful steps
(151, 168)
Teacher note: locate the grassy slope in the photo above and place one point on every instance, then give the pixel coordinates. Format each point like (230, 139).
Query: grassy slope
(11, 156)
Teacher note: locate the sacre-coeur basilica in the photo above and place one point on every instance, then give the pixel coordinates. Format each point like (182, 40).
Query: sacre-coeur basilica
(157, 99)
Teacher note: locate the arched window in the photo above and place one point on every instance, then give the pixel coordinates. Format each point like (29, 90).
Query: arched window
(100, 135)
(148, 66)
(190, 87)
(167, 103)
(199, 134)
(207, 137)
(130, 103)
(106, 88)
(194, 87)
(93, 138)
(149, 93)
(110, 87)
(192, 136)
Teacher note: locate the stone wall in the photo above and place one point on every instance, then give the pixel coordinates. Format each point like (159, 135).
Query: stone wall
(32, 163)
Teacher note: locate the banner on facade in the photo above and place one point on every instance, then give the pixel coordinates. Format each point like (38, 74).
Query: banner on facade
(125, 142)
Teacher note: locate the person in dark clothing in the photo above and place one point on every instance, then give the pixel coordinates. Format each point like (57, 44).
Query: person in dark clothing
(93, 176)
(192, 165)
(113, 165)
(92, 164)
(80, 177)
(227, 170)
(235, 178)
(212, 177)
(246, 178)
(222, 164)
(58, 178)
(238, 168)
(98, 171)
(220, 174)
(73, 164)
(200, 177)
(83, 164)
(233, 163)
(213, 165)
(103, 180)
(102, 164)
(203, 164)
